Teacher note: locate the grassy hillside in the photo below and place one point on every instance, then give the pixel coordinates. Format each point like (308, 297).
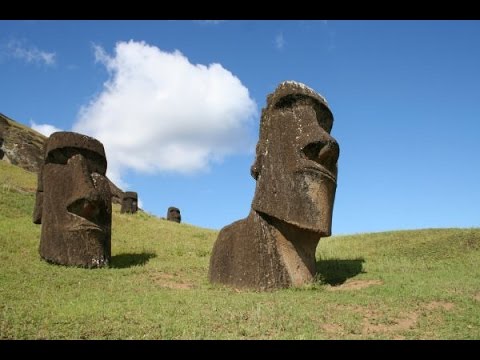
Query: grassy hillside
(393, 285)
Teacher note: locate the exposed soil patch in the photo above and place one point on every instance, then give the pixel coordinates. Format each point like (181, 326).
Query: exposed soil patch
(332, 328)
(355, 285)
(406, 321)
(170, 281)
(373, 322)
(477, 296)
(434, 305)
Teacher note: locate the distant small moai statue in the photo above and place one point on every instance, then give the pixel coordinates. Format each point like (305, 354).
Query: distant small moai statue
(173, 214)
(1, 150)
(73, 202)
(296, 173)
(129, 202)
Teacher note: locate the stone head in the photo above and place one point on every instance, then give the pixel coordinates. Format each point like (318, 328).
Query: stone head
(74, 201)
(129, 202)
(296, 159)
(173, 214)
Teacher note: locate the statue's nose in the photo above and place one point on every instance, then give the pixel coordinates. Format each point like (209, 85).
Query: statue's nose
(81, 173)
(323, 152)
(86, 199)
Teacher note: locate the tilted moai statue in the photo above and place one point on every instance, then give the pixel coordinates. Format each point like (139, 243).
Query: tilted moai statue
(173, 214)
(73, 202)
(296, 173)
(129, 202)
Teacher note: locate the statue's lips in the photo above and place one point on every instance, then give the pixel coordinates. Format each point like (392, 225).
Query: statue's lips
(319, 170)
(321, 157)
(83, 224)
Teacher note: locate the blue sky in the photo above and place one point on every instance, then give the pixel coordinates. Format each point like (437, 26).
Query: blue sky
(405, 97)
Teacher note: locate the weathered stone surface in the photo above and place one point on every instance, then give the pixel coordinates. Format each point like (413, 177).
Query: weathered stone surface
(37, 210)
(173, 214)
(129, 202)
(4, 125)
(296, 172)
(24, 147)
(117, 193)
(73, 202)
(1, 150)
(21, 146)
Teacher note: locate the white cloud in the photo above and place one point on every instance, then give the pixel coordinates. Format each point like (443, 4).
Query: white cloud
(279, 41)
(44, 129)
(30, 54)
(158, 112)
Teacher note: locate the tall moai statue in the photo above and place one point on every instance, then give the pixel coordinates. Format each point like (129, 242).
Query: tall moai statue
(129, 202)
(296, 173)
(73, 202)
(173, 214)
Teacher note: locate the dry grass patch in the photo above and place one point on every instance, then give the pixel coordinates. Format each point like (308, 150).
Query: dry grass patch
(355, 285)
(170, 281)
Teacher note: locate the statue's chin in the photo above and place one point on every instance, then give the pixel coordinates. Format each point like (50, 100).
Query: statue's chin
(322, 229)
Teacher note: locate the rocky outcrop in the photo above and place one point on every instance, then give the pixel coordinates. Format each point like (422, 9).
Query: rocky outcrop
(20, 145)
(24, 147)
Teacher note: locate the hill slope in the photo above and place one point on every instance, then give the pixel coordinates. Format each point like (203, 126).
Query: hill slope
(20, 145)
(23, 147)
(391, 285)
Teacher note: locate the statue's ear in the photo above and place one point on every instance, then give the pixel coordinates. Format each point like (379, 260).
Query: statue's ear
(257, 166)
(260, 149)
(254, 170)
(37, 210)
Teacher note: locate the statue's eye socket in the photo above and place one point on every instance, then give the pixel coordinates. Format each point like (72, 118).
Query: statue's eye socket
(324, 117)
(87, 209)
(57, 156)
(95, 162)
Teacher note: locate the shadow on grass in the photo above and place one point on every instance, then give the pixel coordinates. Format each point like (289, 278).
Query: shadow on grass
(122, 261)
(336, 272)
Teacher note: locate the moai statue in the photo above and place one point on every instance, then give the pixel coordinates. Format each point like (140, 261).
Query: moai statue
(1, 151)
(73, 202)
(129, 202)
(173, 214)
(296, 173)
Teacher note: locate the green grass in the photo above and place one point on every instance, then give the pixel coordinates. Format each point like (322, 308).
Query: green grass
(421, 284)
(15, 178)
